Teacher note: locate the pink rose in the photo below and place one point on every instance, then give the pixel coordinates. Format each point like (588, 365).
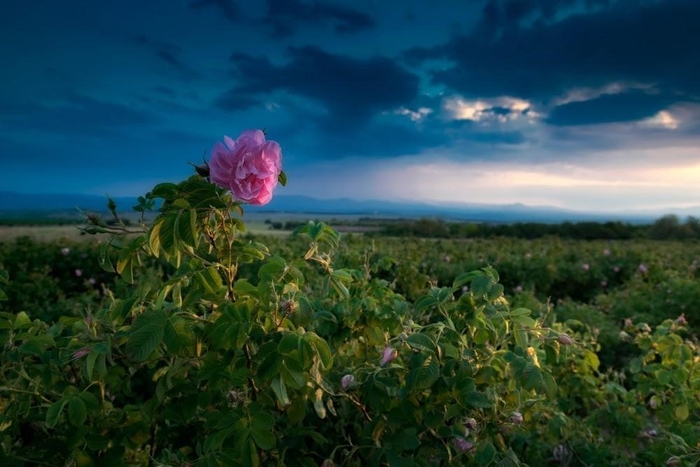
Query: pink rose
(248, 166)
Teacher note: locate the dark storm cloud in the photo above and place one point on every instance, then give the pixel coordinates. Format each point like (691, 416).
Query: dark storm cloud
(228, 8)
(77, 115)
(167, 53)
(624, 107)
(284, 16)
(351, 90)
(655, 43)
(234, 101)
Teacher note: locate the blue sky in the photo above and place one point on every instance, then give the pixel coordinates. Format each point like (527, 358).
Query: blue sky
(582, 104)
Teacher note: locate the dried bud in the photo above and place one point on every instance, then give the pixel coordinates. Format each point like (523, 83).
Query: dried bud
(389, 355)
(564, 339)
(516, 417)
(463, 445)
(288, 306)
(347, 381)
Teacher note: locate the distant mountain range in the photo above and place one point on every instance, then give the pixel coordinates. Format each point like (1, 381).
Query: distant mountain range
(15, 204)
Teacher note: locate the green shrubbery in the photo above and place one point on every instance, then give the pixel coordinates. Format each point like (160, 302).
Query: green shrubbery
(213, 348)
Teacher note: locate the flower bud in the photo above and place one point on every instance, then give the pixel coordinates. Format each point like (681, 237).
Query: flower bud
(673, 461)
(347, 381)
(81, 353)
(288, 306)
(202, 170)
(516, 417)
(681, 321)
(389, 355)
(564, 339)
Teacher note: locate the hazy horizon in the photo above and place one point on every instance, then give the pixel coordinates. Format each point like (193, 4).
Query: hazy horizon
(585, 105)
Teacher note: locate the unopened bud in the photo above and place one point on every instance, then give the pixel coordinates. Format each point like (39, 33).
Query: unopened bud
(564, 339)
(202, 170)
(347, 381)
(389, 355)
(673, 461)
(681, 320)
(516, 417)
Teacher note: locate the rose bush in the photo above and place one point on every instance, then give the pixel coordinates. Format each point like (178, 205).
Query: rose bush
(239, 354)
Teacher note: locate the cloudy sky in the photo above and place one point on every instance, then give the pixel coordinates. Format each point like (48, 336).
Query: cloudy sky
(583, 104)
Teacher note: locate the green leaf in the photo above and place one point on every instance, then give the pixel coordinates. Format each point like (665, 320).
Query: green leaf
(261, 430)
(22, 321)
(282, 178)
(481, 285)
(103, 258)
(682, 412)
(186, 228)
(478, 400)
(421, 341)
(146, 334)
(54, 412)
(324, 351)
(426, 375)
(485, 455)
(288, 344)
(77, 411)
(523, 320)
(90, 364)
(495, 291)
(280, 390)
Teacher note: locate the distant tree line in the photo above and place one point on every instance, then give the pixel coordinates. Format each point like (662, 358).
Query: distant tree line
(666, 228)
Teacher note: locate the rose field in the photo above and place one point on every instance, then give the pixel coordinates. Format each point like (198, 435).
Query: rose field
(187, 340)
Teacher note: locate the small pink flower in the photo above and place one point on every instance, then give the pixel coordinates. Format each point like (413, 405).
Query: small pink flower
(616, 268)
(463, 445)
(92, 281)
(603, 283)
(528, 255)
(389, 355)
(585, 266)
(65, 251)
(347, 381)
(643, 268)
(518, 289)
(78, 273)
(681, 320)
(470, 423)
(447, 258)
(248, 166)
(606, 252)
